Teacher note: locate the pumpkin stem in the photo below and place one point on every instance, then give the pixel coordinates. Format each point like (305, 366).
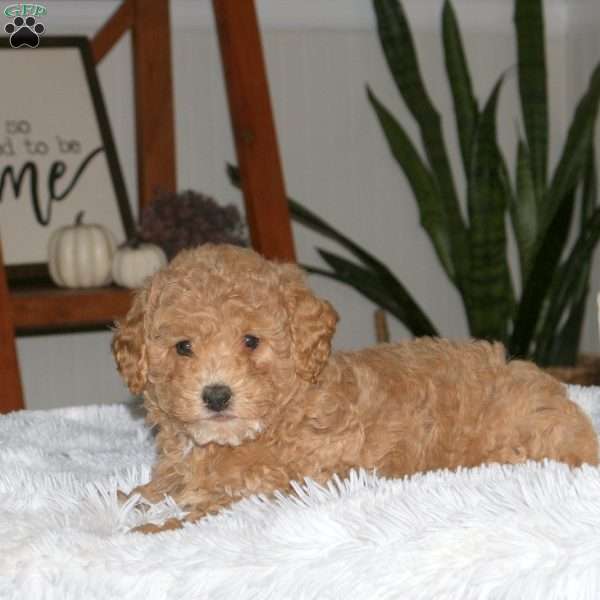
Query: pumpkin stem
(79, 218)
(134, 242)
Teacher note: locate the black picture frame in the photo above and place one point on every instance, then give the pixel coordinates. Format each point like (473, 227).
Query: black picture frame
(36, 272)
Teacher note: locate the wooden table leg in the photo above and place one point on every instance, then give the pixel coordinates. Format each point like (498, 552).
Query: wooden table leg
(254, 128)
(112, 31)
(11, 392)
(153, 99)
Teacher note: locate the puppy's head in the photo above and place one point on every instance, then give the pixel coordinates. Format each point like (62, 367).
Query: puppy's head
(218, 341)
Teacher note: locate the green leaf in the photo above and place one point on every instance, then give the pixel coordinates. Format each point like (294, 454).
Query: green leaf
(463, 97)
(371, 292)
(573, 280)
(398, 47)
(523, 211)
(582, 250)
(431, 208)
(564, 350)
(540, 279)
(307, 218)
(556, 217)
(402, 306)
(589, 189)
(572, 162)
(564, 344)
(531, 64)
(489, 284)
(559, 346)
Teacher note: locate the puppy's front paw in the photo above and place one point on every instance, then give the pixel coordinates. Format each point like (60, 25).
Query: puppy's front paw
(144, 509)
(133, 497)
(168, 525)
(122, 497)
(148, 493)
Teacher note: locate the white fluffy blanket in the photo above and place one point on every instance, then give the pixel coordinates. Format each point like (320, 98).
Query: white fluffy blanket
(530, 531)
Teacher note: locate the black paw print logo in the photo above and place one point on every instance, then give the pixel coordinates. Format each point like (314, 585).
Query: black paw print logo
(24, 32)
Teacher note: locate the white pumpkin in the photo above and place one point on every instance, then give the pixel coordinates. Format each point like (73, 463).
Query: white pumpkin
(80, 255)
(135, 262)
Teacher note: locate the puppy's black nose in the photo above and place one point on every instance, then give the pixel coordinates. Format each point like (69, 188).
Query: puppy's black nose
(216, 397)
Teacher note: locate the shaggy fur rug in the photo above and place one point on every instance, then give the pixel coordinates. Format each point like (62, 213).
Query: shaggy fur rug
(529, 531)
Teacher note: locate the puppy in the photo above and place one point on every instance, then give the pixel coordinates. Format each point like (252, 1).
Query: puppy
(232, 355)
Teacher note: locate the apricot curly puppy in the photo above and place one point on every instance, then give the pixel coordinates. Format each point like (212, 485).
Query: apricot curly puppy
(232, 354)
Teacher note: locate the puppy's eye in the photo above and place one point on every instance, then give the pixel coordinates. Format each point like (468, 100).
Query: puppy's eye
(251, 341)
(184, 348)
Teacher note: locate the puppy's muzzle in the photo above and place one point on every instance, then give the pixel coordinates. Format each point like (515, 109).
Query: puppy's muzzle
(216, 397)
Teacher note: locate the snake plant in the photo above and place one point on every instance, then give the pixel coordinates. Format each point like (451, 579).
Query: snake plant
(544, 322)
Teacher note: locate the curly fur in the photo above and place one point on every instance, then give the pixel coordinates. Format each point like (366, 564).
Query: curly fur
(296, 410)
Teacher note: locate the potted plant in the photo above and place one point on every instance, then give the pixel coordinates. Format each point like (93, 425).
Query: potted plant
(544, 323)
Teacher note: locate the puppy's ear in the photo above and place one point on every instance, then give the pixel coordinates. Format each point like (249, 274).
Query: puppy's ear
(312, 323)
(128, 345)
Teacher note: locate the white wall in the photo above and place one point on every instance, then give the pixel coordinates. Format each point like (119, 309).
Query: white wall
(319, 56)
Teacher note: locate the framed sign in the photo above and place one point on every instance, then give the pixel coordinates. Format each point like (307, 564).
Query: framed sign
(57, 155)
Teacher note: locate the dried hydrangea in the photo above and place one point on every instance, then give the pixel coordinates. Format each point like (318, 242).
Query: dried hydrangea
(188, 219)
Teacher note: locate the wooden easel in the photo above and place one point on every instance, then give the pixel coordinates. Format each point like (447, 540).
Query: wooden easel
(256, 145)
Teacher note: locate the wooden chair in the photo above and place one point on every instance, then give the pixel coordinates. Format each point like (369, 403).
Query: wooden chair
(25, 309)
